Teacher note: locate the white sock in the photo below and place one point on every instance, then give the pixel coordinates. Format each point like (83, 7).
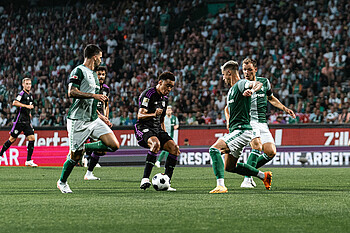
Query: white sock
(220, 182)
(88, 173)
(261, 175)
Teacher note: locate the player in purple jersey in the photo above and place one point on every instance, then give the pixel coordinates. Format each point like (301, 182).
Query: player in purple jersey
(24, 103)
(150, 129)
(102, 111)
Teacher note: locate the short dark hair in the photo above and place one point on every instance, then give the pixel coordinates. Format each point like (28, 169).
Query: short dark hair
(250, 60)
(91, 50)
(101, 68)
(232, 65)
(166, 75)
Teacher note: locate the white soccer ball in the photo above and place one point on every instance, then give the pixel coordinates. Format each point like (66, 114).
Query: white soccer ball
(161, 182)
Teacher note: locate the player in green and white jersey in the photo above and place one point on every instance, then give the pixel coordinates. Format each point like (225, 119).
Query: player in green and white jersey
(262, 138)
(237, 113)
(171, 124)
(83, 121)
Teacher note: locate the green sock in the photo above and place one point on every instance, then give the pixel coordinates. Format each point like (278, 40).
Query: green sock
(245, 170)
(252, 159)
(162, 155)
(67, 169)
(97, 146)
(262, 160)
(218, 163)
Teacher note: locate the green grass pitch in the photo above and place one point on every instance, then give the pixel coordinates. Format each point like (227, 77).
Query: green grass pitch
(301, 200)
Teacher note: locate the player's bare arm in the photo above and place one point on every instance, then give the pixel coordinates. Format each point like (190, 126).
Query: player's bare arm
(19, 104)
(227, 116)
(143, 113)
(275, 102)
(104, 119)
(74, 92)
(254, 86)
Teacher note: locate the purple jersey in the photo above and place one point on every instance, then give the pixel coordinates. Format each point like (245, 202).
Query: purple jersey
(23, 114)
(101, 106)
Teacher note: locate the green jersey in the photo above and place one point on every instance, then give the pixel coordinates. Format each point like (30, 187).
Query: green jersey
(86, 81)
(169, 123)
(259, 101)
(239, 106)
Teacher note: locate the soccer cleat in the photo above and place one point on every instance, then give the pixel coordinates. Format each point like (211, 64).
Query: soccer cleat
(157, 164)
(252, 181)
(30, 163)
(247, 183)
(63, 187)
(267, 180)
(90, 177)
(145, 184)
(170, 189)
(219, 189)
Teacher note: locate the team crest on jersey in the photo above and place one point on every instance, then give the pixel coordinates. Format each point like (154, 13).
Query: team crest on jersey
(74, 77)
(145, 130)
(163, 103)
(145, 102)
(16, 131)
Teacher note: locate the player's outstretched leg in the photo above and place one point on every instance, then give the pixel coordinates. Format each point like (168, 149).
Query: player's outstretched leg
(150, 160)
(170, 164)
(4, 148)
(30, 149)
(218, 167)
(248, 181)
(163, 154)
(247, 170)
(62, 184)
(94, 158)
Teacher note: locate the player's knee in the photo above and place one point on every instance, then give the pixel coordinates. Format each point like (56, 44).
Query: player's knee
(176, 151)
(271, 152)
(115, 146)
(155, 147)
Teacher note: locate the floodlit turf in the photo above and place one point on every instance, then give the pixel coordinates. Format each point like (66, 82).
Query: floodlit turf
(301, 200)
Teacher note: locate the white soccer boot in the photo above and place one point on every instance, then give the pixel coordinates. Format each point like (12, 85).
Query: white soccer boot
(252, 181)
(170, 189)
(90, 176)
(30, 163)
(145, 184)
(247, 183)
(63, 187)
(157, 164)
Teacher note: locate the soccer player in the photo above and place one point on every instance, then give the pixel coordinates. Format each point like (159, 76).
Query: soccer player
(171, 124)
(262, 138)
(102, 112)
(150, 129)
(240, 132)
(24, 103)
(82, 120)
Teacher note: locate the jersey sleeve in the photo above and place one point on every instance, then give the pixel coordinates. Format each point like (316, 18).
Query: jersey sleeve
(176, 121)
(243, 85)
(268, 86)
(76, 76)
(144, 101)
(19, 97)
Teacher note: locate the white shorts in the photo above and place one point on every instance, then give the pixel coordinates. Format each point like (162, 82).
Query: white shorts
(79, 131)
(237, 140)
(261, 130)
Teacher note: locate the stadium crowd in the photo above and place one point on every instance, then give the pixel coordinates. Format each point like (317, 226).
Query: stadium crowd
(302, 47)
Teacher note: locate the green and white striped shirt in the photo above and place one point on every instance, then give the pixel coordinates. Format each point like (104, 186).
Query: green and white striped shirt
(259, 101)
(86, 81)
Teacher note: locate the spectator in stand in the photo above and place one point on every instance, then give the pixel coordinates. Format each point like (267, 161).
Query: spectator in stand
(219, 120)
(332, 115)
(206, 117)
(279, 120)
(284, 94)
(115, 120)
(344, 117)
(297, 88)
